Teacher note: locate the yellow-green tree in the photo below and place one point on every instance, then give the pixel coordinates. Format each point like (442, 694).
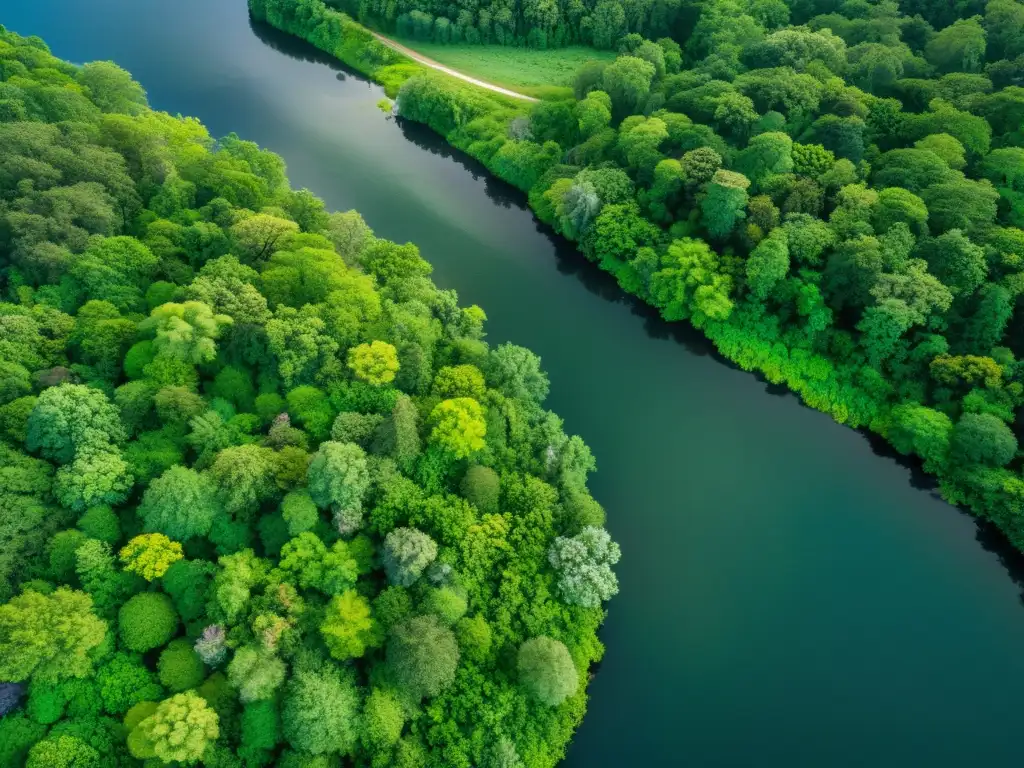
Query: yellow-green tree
(375, 363)
(178, 731)
(459, 426)
(348, 628)
(150, 555)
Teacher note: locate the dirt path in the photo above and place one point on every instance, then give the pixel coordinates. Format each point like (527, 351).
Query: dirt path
(448, 70)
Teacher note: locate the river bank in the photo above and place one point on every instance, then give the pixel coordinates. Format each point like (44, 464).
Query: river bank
(477, 122)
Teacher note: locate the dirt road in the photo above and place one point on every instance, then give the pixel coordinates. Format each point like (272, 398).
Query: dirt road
(428, 62)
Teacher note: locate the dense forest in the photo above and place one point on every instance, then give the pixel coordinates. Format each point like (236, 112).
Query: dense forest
(534, 23)
(267, 496)
(832, 192)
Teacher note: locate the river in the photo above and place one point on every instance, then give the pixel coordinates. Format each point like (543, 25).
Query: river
(791, 595)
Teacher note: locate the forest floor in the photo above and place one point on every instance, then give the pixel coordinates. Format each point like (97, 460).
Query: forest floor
(522, 73)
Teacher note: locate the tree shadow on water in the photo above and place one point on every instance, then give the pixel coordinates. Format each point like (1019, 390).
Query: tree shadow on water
(298, 49)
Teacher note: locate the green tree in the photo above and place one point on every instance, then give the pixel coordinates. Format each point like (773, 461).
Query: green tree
(407, 553)
(383, 720)
(375, 363)
(48, 637)
(111, 88)
(767, 265)
(348, 628)
(63, 752)
(181, 503)
(147, 621)
(981, 438)
(338, 475)
(546, 670)
(627, 81)
(179, 667)
(422, 656)
(458, 426)
(583, 563)
(69, 418)
(256, 673)
(98, 475)
(179, 730)
(150, 555)
(724, 202)
(244, 477)
(319, 714)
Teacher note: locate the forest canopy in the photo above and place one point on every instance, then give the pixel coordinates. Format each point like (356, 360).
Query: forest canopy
(833, 192)
(267, 494)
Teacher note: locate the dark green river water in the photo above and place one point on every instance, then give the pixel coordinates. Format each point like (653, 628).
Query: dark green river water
(790, 597)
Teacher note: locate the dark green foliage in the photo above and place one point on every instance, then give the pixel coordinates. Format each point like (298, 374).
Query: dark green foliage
(482, 487)
(147, 621)
(179, 667)
(124, 681)
(101, 523)
(981, 438)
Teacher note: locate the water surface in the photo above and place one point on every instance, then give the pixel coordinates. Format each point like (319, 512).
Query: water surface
(789, 596)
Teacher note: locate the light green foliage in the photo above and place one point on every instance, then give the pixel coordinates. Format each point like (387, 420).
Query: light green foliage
(313, 566)
(48, 637)
(179, 730)
(258, 236)
(583, 563)
(96, 476)
(150, 555)
(255, 673)
(299, 511)
(348, 628)
(458, 426)
(244, 476)
(383, 719)
(422, 656)
(407, 553)
(691, 284)
(147, 621)
(186, 332)
(111, 88)
(475, 637)
(375, 363)
(446, 604)
(546, 670)
(63, 752)
(319, 712)
(338, 476)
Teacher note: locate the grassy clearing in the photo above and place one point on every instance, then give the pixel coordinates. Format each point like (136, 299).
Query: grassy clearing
(536, 73)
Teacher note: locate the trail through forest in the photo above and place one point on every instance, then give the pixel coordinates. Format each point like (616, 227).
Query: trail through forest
(426, 61)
